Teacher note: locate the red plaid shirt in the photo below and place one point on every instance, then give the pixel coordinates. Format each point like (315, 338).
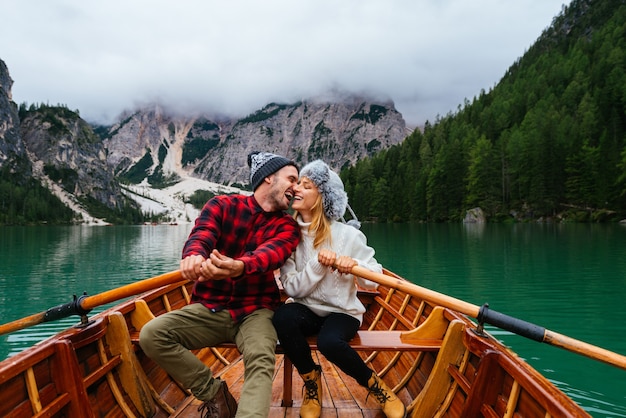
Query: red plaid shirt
(238, 227)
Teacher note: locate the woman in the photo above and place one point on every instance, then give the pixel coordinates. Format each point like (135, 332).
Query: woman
(324, 293)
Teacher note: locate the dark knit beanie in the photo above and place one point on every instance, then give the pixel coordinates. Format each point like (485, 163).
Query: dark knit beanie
(263, 164)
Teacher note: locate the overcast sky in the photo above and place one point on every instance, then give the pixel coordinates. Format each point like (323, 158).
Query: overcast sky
(234, 57)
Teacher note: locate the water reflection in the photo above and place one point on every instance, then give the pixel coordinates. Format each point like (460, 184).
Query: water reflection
(43, 267)
(475, 229)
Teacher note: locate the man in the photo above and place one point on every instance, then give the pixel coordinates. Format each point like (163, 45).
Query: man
(232, 252)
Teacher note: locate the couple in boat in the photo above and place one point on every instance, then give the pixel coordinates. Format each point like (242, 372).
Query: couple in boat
(232, 252)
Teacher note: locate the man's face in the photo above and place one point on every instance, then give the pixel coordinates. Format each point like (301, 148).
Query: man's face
(281, 187)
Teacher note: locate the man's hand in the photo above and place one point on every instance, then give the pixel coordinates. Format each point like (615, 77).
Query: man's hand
(219, 267)
(190, 267)
(216, 267)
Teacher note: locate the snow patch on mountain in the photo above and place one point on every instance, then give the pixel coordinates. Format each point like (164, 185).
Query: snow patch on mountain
(170, 202)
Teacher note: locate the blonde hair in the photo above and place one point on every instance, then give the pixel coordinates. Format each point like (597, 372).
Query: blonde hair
(320, 224)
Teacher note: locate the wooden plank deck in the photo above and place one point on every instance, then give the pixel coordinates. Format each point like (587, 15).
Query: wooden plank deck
(342, 397)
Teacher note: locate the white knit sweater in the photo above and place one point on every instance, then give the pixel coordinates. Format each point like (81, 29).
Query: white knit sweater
(325, 291)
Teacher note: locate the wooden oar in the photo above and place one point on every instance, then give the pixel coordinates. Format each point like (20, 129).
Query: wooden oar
(484, 315)
(83, 304)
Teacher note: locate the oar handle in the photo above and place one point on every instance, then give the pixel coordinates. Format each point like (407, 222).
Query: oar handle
(500, 320)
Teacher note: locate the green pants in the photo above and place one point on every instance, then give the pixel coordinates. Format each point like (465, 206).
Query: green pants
(168, 338)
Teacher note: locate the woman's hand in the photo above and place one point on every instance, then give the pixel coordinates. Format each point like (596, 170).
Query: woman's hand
(326, 257)
(343, 263)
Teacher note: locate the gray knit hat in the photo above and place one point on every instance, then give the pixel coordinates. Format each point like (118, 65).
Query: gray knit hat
(263, 164)
(330, 186)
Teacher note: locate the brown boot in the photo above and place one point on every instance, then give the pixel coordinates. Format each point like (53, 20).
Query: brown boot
(392, 406)
(223, 405)
(312, 394)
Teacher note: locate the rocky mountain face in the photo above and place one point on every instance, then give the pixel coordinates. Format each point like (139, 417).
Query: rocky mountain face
(65, 151)
(152, 143)
(12, 150)
(153, 149)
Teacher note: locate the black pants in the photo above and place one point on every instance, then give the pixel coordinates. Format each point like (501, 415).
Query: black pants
(294, 322)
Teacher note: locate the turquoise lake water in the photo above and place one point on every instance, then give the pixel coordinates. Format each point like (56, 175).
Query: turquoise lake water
(570, 279)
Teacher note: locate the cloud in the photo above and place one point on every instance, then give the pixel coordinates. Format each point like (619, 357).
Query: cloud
(234, 57)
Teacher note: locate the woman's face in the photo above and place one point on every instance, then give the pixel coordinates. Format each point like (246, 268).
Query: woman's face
(305, 196)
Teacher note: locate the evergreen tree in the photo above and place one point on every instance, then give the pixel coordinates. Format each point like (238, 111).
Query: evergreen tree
(551, 135)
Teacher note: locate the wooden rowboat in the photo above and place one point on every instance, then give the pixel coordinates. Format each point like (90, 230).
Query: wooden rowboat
(437, 360)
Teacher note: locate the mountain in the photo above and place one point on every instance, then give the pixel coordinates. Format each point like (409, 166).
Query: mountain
(151, 160)
(161, 147)
(12, 149)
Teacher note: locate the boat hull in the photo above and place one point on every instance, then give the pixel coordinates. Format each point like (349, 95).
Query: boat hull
(432, 357)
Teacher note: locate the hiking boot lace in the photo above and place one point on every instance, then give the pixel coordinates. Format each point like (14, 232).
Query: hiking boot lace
(208, 409)
(379, 393)
(310, 386)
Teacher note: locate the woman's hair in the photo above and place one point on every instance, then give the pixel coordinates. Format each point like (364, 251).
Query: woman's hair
(320, 224)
